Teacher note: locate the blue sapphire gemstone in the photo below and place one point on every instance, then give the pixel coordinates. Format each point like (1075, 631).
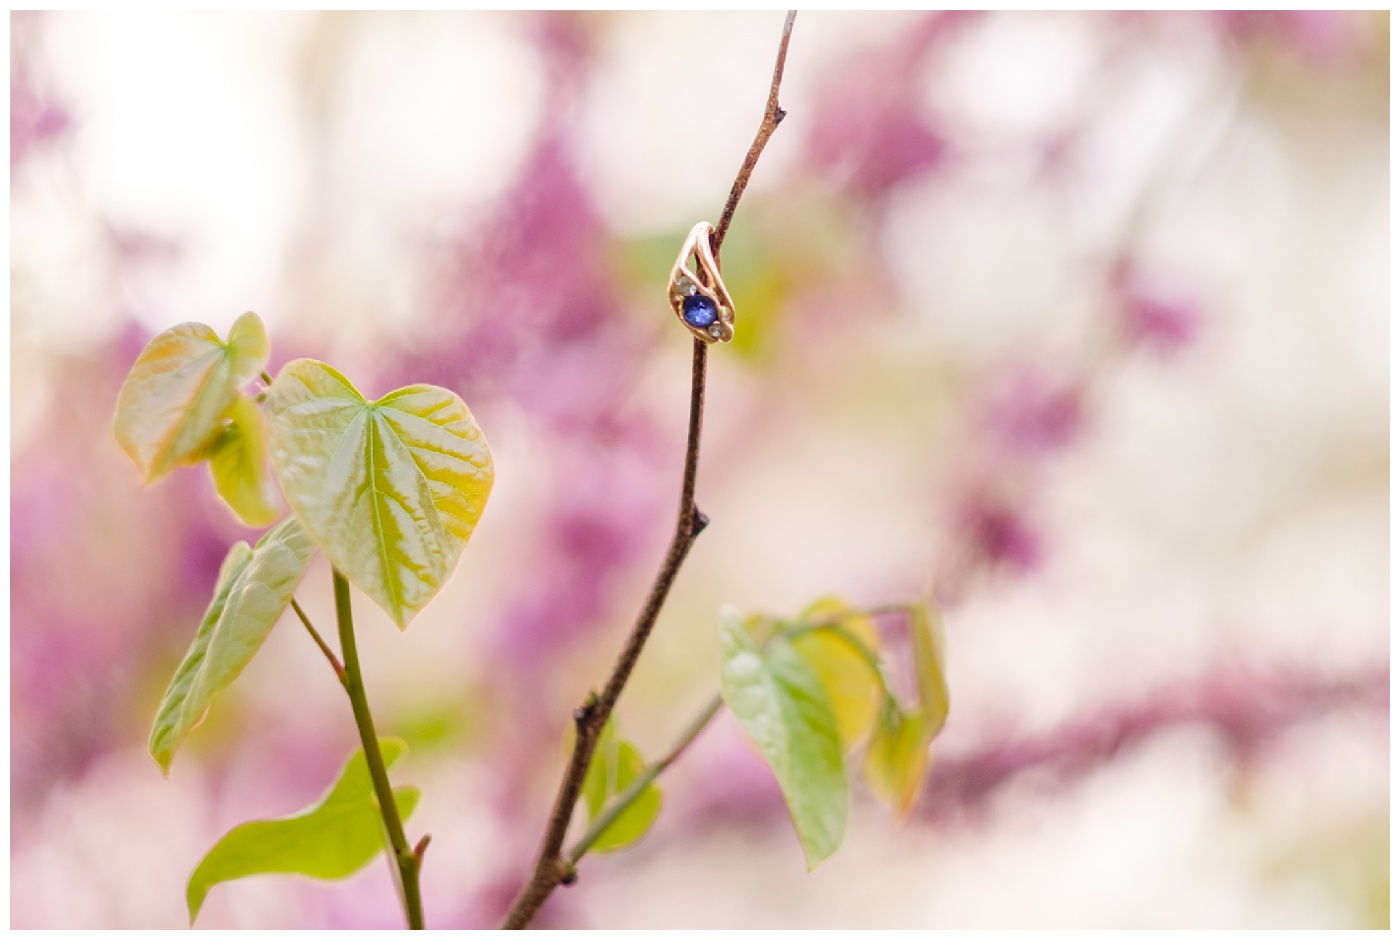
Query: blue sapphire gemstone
(699, 311)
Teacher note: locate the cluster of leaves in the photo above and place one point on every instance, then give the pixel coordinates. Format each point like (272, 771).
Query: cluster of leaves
(390, 490)
(809, 692)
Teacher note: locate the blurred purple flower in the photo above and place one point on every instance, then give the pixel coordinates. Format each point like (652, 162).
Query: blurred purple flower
(871, 132)
(604, 519)
(529, 278)
(996, 535)
(1247, 706)
(565, 44)
(872, 144)
(1030, 413)
(1325, 38)
(749, 793)
(88, 620)
(1151, 317)
(36, 117)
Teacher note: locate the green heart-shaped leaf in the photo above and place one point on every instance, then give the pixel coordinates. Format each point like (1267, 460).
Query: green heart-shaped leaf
(171, 405)
(782, 706)
(615, 765)
(255, 585)
(238, 463)
(391, 490)
(333, 838)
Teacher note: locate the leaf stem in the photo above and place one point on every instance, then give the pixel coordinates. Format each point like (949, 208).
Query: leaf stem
(330, 656)
(405, 858)
(551, 867)
(628, 795)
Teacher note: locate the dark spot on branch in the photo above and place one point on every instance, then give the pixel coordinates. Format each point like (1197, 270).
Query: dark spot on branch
(584, 713)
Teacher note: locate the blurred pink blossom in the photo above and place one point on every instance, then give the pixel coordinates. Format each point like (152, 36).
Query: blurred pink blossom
(1325, 38)
(997, 535)
(750, 793)
(36, 115)
(530, 277)
(1151, 316)
(871, 131)
(35, 119)
(1027, 411)
(1247, 706)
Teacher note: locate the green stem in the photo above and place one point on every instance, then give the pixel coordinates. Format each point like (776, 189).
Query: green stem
(404, 856)
(325, 649)
(629, 795)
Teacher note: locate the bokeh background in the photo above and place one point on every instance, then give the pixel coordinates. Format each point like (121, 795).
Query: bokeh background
(1077, 322)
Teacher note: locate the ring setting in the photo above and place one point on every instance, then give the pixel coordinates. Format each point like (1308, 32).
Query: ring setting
(698, 295)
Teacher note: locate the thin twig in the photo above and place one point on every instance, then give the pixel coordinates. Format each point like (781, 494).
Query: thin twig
(772, 116)
(406, 860)
(330, 656)
(551, 867)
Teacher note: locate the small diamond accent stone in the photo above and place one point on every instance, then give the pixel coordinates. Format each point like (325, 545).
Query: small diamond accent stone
(699, 311)
(716, 330)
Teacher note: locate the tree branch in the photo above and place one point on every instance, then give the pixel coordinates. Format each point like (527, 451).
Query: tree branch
(551, 866)
(772, 116)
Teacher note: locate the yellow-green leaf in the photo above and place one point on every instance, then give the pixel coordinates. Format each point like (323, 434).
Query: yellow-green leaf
(897, 759)
(171, 406)
(898, 756)
(333, 838)
(238, 464)
(595, 780)
(614, 767)
(850, 685)
(834, 609)
(782, 706)
(254, 587)
(390, 490)
(926, 639)
(844, 657)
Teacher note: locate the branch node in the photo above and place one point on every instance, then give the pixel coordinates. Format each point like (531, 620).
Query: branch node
(584, 713)
(698, 521)
(420, 848)
(568, 873)
(778, 116)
